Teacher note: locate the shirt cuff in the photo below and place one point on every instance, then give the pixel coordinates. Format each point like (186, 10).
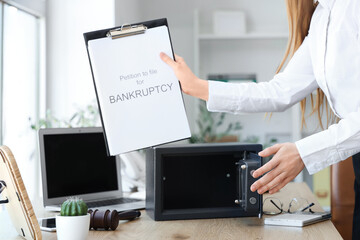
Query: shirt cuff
(222, 97)
(317, 151)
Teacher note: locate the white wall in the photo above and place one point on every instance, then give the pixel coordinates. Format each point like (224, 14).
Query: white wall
(69, 80)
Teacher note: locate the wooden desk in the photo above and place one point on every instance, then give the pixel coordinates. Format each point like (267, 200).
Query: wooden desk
(224, 228)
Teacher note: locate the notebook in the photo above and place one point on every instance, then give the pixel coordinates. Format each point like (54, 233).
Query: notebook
(74, 162)
(297, 219)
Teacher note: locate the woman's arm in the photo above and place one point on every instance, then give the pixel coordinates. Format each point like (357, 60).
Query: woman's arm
(285, 89)
(316, 152)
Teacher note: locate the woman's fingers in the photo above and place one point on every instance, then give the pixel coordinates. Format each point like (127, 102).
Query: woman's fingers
(280, 186)
(270, 150)
(285, 166)
(273, 172)
(272, 182)
(266, 168)
(190, 84)
(169, 61)
(178, 58)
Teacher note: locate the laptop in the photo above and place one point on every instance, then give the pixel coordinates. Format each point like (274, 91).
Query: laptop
(74, 162)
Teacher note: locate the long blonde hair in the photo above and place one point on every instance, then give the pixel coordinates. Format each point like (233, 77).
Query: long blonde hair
(299, 17)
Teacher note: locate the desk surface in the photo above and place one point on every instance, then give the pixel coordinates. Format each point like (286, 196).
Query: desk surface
(224, 228)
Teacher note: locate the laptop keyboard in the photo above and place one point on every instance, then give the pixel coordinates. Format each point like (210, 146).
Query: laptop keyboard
(111, 202)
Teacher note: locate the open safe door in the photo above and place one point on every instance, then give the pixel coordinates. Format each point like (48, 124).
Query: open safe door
(250, 201)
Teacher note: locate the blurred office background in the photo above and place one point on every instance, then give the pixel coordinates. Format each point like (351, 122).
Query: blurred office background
(45, 73)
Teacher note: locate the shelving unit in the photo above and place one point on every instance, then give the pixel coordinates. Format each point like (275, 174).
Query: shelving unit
(270, 44)
(251, 35)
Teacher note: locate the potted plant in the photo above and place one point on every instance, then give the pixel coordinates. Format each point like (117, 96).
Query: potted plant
(209, 124)
(74, 220)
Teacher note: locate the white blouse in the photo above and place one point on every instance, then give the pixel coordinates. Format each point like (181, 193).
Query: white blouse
(328, 58)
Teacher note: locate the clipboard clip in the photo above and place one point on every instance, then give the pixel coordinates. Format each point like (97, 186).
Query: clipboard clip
(126, 30)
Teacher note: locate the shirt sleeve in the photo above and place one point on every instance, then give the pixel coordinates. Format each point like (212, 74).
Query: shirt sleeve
(339, 141)
(284, 90)
(333, 145)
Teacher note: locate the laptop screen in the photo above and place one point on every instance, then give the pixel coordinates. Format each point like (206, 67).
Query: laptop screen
(77, 164)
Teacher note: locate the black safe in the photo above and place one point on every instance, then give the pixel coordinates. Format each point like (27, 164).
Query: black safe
(202, 181)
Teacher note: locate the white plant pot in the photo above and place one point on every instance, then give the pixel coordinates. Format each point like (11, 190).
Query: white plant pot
(72, 227)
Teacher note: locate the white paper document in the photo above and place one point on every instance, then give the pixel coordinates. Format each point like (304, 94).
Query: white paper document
(139, 95)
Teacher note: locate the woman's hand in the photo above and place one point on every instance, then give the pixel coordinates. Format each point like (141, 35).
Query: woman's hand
(190, 84)
(281, 169)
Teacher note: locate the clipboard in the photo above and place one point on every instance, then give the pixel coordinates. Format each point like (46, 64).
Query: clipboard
(139, 97)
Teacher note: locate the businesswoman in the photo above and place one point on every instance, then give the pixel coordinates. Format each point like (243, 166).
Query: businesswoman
(324, 53)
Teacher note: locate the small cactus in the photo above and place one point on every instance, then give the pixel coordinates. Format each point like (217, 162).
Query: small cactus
(73, 206)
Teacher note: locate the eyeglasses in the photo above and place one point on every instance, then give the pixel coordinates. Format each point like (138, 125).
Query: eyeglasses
(2, 187)
(273, 206)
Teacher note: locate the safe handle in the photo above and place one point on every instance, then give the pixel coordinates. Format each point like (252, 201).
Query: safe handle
(248, 200)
